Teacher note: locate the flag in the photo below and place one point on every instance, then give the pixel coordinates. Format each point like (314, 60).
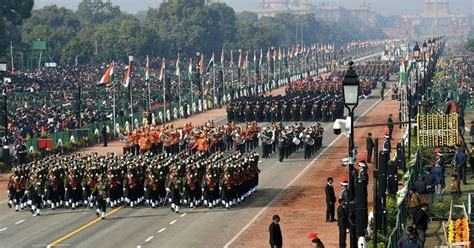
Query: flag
(222, 57)
(201, 65)
(268, 55)
(261, 57)
(240, 58)
(211, 63)
(280, 54)
(254, 57)
(231, 60)
(190, 69)
(178, 72)
(108, 76)
(246, 61)
(128, 74)
(162, 69)
(147, 72)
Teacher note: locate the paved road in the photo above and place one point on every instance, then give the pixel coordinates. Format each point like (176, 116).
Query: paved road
(160, 227)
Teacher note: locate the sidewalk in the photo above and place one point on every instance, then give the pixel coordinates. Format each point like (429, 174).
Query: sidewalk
(302, 208)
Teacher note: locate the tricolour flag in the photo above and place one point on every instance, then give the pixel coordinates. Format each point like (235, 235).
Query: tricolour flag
(201, 65)
(240, 58)
(190, 69)
(108, 77)
(147, 72)
(222, 57)
(162, 69)
(211, 63)
(178, 72)
(128, 74)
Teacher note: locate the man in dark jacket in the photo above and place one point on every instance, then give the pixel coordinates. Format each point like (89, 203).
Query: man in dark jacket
(276, 239)
(104, 135)
(370, 147)
(330, 200)
(390, 126)
(420, 222)
(342, 223)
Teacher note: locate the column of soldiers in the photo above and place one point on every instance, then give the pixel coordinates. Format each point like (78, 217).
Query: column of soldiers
(289, 139)
(220, 179)
(308, 103)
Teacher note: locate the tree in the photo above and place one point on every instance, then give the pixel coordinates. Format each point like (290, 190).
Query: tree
(97, 11)
(56, 26)
(470, 45)
(188, 26)
(12, 13)
(117, 39)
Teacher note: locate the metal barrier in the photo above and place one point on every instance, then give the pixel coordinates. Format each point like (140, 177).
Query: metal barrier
(402, 206)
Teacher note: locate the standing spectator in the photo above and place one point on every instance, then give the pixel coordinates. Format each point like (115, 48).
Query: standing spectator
(370, 144)
(104, 135)
(276, 239)
(390, 126)
(438, 172)
(461, 125)
(330, 200)
(471, 161)
(461, 159)
(342, 223)
(382, 90)
(430, 180)
(471, 132)
(420, 222)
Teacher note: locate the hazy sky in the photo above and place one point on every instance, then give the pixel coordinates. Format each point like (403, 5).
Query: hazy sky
(385, 7)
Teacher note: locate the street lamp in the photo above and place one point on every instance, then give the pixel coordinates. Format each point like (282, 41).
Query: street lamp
(350, 91)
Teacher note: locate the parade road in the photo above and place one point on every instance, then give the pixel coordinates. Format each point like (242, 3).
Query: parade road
(147, 227)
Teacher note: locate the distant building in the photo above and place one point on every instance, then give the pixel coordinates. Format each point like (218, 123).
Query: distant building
(332, 13)
(437, 19)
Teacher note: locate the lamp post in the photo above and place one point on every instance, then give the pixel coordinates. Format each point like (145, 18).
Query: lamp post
(350, 91)
(423, 85)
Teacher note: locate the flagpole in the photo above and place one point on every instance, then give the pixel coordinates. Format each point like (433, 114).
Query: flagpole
(130, 62)
(214, 82)
(179, 91)
(163, 80)
(223, 84)
(113, 110)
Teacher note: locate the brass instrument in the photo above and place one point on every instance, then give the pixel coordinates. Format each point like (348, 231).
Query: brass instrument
(308, 140)
(265, 139)
(238, 139)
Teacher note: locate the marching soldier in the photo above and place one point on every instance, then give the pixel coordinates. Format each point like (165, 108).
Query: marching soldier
(100, 192)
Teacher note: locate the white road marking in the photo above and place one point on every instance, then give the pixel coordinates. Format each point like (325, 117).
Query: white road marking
(162, 229)
(19, 222)
(172, 222)
(3, 229)
(182, 215)
(260, 161)
(294, 180)
(139, 246)
(149, 238)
